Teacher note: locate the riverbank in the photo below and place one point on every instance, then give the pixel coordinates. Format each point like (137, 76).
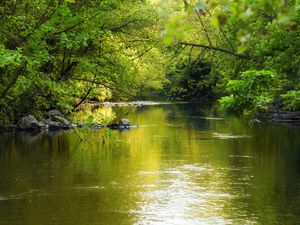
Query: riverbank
(126, 104)
(55, 120)
(281, 116)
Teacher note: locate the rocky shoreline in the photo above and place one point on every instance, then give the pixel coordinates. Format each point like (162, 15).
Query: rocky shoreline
(281, 116)
(56, 121)
(126, 104)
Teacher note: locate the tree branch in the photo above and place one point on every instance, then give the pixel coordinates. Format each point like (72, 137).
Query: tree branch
(221, 30)
(202, 24)
(143, 53)
(41, 21)
(75, 25)
(238, 55)
(122, 25)
(104, 85)
(12, 83)
(84, 98)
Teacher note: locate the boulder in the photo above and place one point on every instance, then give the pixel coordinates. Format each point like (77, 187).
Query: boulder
(61, 120)
(10, 127)
(81, 125)
(53, 113)
(53, 126)
(97, 126)
(74, 125)
(29, 123)
(286, 116)
(124, 123)
(113, 126)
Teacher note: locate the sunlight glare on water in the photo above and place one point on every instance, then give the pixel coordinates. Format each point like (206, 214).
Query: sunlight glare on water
(177, 199)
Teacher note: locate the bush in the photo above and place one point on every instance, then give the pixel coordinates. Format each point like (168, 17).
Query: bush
(291, 100)
(255, 91)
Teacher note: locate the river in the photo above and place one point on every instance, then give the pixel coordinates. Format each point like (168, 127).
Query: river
(184, 165)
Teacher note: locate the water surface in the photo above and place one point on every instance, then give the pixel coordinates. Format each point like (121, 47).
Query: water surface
(183, 165)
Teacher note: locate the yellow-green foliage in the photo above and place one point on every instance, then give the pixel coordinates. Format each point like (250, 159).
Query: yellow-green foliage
(55, 53)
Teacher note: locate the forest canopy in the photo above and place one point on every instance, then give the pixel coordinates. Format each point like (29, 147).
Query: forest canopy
(61, 53)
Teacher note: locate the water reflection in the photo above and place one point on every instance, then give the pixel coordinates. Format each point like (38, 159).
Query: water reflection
(183, 165)
(182, 196)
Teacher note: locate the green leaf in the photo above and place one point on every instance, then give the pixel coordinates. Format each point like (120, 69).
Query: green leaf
(90, 120)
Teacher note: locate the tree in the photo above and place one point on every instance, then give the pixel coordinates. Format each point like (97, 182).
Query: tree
(236, 36)
(56, 54)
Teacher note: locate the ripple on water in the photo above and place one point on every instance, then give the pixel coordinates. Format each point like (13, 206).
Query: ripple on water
(229, 136)
(3, 198)
(177, 198)
(23, 195)
(89, 187)
(241, 156)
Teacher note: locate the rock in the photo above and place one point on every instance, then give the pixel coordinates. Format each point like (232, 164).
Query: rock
(74, 125)
(285, 116)
(53, 126)
(81, 125)
(53, 113)
(106, 104)
(8, 128)
(43, 126)
(113, 126)
(138, 104)
(57, 121)
(61, 120)
(29, 123)
(45, 123)
(124, 123)
(97, 126)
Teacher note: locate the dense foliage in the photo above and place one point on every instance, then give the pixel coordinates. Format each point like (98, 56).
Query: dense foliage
(253, 91)
(55, 54)
(191, 82)
(60, 53)
(237, 37)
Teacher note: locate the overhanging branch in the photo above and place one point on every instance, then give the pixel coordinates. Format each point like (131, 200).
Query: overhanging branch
(114, 29)
(105, 85)
(238, 55)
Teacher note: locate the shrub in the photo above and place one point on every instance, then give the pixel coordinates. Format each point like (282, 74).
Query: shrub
(254, 91)
(291, 100)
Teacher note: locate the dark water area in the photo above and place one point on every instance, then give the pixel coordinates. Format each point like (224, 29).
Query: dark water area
(183, 165)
